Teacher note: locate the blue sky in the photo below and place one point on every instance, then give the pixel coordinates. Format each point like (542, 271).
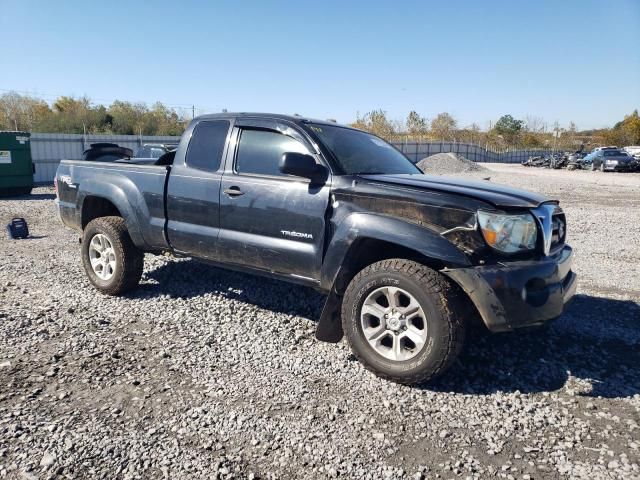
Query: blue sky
(562, 61)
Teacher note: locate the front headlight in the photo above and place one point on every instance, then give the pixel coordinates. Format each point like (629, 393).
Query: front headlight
(508, 233)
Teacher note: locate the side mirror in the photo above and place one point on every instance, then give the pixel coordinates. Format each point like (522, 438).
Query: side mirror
(302, 165)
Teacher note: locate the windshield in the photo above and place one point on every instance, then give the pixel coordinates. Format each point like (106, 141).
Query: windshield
(360, 153)
(614, 153)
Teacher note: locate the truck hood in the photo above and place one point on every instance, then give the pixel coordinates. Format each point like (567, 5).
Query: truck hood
(493, 193)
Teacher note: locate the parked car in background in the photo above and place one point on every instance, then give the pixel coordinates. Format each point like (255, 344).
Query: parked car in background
(587, 160)
(633, 150)
(155, 150)
(612, 160)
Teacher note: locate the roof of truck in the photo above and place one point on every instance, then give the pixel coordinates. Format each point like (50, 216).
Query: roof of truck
(277, 116)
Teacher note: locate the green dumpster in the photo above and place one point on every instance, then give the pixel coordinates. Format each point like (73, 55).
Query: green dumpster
(16, 167)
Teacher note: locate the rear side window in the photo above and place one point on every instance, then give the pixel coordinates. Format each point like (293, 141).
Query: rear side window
(260, 151)
(207, 144)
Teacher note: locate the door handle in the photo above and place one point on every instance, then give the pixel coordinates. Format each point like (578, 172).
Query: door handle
(233, 191)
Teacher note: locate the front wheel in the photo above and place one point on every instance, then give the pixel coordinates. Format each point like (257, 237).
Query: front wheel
(110, 259)
(400, 319)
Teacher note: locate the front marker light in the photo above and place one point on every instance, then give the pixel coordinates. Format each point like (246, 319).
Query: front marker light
(508, 233)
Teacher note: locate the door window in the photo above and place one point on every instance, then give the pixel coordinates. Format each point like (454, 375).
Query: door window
(207, 145)
(260, 151)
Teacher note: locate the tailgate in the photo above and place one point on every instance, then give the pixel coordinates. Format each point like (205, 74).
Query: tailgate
(67, 194)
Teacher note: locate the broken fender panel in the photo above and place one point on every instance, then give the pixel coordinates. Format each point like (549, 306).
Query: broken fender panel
(393, 230)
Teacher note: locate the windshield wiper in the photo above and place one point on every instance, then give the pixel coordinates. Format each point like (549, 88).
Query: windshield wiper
(368, 173)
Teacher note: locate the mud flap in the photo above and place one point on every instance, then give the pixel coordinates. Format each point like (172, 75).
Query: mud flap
(329, 327)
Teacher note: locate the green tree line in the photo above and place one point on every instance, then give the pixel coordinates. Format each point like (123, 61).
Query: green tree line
(80, 115)
(506, 132)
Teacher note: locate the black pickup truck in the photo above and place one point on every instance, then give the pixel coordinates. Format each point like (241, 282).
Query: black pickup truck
(406, 260)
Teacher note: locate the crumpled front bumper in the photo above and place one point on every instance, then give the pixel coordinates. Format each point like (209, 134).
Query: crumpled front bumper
(519, 294)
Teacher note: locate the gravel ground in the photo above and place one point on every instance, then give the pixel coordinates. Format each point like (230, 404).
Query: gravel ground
(206, 373)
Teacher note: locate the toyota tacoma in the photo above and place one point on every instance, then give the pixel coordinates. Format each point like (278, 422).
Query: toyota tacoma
(406, 260)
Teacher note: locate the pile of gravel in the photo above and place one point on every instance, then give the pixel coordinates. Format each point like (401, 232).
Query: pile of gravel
(447, 163)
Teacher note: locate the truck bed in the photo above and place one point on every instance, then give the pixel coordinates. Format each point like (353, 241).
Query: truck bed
(137, 191)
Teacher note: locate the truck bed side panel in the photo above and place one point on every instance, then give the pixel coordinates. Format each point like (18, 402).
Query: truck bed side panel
(136, 191)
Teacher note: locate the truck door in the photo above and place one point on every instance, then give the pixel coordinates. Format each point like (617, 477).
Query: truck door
(193, 191)
(269, 220)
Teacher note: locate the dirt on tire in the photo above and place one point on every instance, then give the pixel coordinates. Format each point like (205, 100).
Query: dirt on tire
(130, 260)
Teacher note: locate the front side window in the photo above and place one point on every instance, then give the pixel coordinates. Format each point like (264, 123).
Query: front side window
(260, 151)
(362, 153)
(207, 145)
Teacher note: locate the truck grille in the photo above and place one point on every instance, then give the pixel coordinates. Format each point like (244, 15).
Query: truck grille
(553, 226)
(559, 229)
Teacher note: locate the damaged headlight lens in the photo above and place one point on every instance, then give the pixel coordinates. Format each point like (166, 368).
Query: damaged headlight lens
(508, 233)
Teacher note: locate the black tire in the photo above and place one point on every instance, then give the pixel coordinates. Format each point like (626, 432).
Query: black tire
(440, 301)
(602, 167)
(129, 259)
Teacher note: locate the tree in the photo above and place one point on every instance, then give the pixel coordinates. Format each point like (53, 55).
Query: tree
(128, 117)
(443, 126)
(534, 124)
(508, 126)
(18, 112)
(74, 115)
(626, 132)
(80, 115)
(470, 134)
(531, 140)
(376, 122)
(416, 124)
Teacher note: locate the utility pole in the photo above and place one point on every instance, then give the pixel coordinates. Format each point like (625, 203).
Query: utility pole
(193, 112)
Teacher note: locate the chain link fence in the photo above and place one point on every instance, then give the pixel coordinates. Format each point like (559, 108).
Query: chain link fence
(416, 151)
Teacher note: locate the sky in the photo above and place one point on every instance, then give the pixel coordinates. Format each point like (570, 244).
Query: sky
(557, 60)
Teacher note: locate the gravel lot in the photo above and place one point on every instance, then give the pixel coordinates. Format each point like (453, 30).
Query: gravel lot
(203, 373)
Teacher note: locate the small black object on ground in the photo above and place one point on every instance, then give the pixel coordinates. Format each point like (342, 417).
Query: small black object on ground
(18, 228)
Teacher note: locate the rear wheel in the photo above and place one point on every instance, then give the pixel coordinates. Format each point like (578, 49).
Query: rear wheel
(110, 259)
(400, 319)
